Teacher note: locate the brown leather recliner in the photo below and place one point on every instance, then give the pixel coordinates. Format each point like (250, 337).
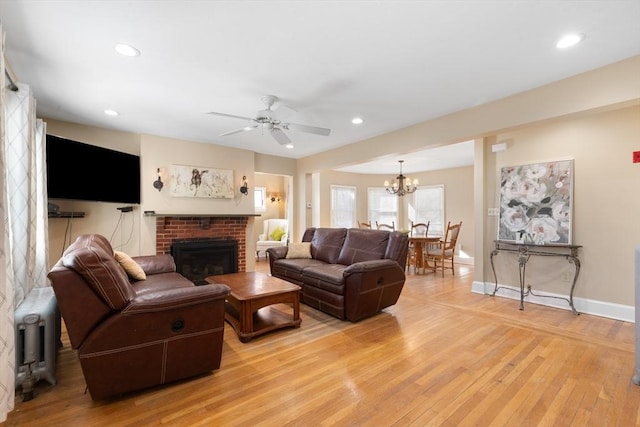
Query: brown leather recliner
(131, 334)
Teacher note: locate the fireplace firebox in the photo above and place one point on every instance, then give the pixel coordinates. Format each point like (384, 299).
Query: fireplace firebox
(197, 259)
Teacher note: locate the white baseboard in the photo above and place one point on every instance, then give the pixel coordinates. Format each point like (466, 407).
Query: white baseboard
(597, 308)
(467, 260)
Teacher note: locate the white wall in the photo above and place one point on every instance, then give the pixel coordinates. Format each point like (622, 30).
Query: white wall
(605, 203)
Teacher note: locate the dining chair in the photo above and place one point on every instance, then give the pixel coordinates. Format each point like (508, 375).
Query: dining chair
(419, 229)
(364, 224)
(444, 250)
(390, 227)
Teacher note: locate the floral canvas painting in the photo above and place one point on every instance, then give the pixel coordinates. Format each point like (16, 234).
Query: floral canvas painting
(196, 181)
(535, 203)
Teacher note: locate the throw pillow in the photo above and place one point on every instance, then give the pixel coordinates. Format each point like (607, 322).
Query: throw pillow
(132, 268)
(299, 250)
(277, 234)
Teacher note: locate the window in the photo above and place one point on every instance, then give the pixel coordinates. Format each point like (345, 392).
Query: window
(343, 206)
(383, 207)
(428, 205)
(260, 199)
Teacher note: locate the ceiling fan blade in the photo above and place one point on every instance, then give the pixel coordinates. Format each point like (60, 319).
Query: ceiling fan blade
(280, 136)
(230, 115)
(282, 112)
(308, 129)
(244, 129)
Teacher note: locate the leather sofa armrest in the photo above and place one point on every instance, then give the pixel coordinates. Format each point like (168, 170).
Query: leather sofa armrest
(155, 264)
(169, 299)
(371, 286)
(277, 252)
(366, 266)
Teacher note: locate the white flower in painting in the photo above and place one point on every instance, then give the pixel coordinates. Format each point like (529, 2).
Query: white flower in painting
(515, 219)
(544, 229)
(536, 171)
(514, 189)
(525, 190)
(560, 212)
(535, 191)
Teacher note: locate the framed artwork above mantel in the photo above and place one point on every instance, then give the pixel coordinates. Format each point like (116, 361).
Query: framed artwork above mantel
(536, 203)
(198, 181)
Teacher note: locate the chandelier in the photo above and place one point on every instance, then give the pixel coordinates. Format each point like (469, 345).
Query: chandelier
(403, 185)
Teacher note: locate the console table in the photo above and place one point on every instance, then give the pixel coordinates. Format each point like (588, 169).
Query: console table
(524, 251)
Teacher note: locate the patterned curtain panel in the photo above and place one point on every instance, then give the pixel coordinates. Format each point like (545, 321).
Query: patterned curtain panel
(24, 228)
(26, 193)
(7, 337)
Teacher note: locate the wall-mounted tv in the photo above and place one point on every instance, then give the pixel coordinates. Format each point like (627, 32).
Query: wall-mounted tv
(79, 171)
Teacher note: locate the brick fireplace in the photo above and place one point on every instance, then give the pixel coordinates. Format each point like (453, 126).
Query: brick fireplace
(170, 229)
(197, 259)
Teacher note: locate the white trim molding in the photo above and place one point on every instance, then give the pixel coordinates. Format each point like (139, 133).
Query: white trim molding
(610, 310)
(465, 260)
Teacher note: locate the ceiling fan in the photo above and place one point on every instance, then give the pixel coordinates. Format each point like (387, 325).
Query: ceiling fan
(272, 121)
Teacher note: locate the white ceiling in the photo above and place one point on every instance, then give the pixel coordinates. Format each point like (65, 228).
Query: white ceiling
(444, 157)
(394, 63)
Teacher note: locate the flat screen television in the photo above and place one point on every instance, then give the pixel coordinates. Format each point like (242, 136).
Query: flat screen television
(79, 171)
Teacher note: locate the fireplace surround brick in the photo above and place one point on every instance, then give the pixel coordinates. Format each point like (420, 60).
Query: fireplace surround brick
(170, 228)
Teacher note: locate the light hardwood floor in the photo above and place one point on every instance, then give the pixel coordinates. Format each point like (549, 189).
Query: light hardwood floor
(441, 356)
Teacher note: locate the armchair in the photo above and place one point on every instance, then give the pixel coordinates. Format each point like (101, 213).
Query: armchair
(275, 233)
(132, 334)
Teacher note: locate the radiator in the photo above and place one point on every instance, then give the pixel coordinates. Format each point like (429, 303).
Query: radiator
(37, 328)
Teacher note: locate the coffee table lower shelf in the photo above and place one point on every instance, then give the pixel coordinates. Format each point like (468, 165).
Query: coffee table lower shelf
(259, 303)
(264, 320)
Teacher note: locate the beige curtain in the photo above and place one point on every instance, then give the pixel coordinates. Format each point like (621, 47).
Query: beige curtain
(24, 232)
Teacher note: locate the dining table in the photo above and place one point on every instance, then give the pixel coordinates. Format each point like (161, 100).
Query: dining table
(419, 244)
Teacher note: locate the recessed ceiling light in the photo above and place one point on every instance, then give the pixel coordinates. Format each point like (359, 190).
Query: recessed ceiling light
(111, 113)
(569, 40)
(357, 120)
(289, 146)
(127, 50)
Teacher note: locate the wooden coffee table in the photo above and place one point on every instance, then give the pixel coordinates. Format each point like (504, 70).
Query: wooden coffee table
(253, 306)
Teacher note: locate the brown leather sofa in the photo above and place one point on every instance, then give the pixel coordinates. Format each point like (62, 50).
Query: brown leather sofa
(131, 334)
(352, 273)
